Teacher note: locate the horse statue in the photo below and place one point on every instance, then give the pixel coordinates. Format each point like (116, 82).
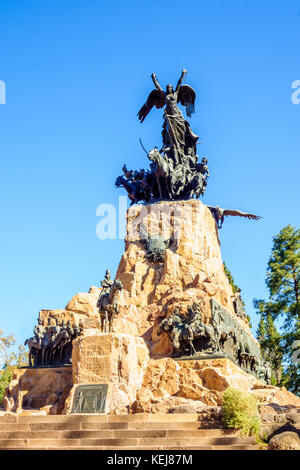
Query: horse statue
(223, 332)
(61, 339)
(132, 188)
(108, 305)
(197, 329)
(173, 326)
(161, 168)
(34, 347)
(186, 329)
(47, 344)
(68, 347)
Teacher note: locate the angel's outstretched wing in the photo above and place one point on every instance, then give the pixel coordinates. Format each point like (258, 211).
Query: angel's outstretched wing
(186, 96)
(242, 214)
(156, 98)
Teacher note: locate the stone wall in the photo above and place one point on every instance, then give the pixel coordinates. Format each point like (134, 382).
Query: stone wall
(43, 388)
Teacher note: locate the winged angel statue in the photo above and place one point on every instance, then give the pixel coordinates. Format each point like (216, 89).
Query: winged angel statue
(175, 172)
(177, 134)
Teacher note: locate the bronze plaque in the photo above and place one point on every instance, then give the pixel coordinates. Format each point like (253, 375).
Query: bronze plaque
(90, 399)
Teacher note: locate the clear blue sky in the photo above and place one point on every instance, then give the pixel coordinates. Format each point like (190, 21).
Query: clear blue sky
(77, 72)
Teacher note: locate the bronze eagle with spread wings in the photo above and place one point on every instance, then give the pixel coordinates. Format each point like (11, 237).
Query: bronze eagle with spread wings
(219, 214)
(183, 94)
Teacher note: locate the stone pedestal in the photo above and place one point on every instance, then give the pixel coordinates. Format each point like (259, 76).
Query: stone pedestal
(133, 360)
(118, 360)
(191, 270)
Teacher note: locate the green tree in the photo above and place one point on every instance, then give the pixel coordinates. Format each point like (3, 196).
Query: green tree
(283, 278)
(17, 359)
(5, 343)
(270, 342)
(283, 282)
(10, 361)
(230, 279)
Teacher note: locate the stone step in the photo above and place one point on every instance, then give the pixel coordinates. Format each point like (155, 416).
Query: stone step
(115, 434)
(125, 442)
(86, 426)
(139, 417)
(167, 441)
(123, 432)
(199, 447)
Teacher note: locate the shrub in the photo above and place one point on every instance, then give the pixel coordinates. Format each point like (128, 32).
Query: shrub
(240, 411)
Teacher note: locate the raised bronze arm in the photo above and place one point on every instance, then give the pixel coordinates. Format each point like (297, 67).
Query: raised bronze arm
(183, 74)
(156, 84)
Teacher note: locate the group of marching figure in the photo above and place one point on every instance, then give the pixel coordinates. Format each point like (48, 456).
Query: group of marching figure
(52, 344)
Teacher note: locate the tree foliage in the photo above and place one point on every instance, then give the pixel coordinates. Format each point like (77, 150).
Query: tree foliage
(230, 279)
(10, 361)
(283, 282)
(270, 342)
(5, 343)
(283, 277)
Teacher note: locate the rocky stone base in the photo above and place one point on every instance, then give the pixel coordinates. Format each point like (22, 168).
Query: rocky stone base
(189, 384)
(45, 389)
(285, 441)
(278, 419)
(136, 383)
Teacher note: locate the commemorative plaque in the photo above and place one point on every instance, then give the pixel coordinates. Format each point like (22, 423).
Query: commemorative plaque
(90, 399)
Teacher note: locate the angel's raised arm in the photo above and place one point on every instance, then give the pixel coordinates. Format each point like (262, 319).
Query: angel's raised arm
(155, 81)
(184, 72)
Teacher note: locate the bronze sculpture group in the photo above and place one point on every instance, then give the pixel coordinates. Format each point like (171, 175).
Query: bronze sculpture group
(175, 172)
(190, 336)
(52, 344)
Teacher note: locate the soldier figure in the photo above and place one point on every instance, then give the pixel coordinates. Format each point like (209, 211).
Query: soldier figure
(238, 305)
(39, 331)
(267, 372)
(192, 159)
(106, 283)
(57, 328)
(203, 167)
